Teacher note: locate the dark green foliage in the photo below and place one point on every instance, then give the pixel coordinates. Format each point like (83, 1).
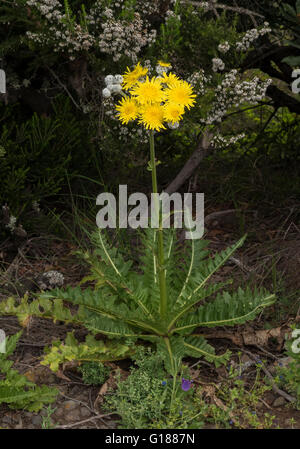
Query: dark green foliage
(271, 135)
(39, 155)
(291, 16)
(94, 373)
(190, 38)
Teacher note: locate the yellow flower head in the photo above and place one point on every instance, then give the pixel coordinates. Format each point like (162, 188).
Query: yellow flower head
(170, 80)
(181, 93)
(127, 110)
(173, 112)
(131, 77)
(164, 64)
(154, 101)
(152, 116)
(149, 91)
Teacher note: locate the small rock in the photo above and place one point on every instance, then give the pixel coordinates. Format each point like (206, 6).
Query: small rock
(70, 405)
(72, 415)
(6, 419)
(85, 413)
(36, 420)
(279, 402)
(245, 358)
(59, 412)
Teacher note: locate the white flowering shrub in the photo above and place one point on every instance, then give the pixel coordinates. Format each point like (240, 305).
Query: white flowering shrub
(221, 89)
(75, 45)
(112, 28)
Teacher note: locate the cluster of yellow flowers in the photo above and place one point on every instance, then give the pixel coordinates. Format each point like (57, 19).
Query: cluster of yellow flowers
(154, 101)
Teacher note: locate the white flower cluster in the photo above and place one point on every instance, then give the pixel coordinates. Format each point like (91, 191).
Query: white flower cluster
(160, 70)
(113, 85)
(224, 47)
(205, 5)
(121, 38)
(59, 33)
(199, 81)
(251, 36)
(133, 133)
(218, 64)
(55, 278)
(147, 64)
(220, 141)
(101, 29)
(232, 93)
(11, 225)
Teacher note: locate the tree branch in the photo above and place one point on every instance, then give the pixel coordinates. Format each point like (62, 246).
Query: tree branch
(214, 6)
(192, 164)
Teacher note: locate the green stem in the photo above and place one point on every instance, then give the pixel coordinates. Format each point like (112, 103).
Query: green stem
(160, 243)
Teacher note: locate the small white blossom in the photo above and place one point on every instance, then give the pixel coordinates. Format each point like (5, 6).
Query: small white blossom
(106, 92)
(119, 79)
(218, 64)
(116, 88)
(55, 278)
(224, 47)
(12, 223)
(109, 79)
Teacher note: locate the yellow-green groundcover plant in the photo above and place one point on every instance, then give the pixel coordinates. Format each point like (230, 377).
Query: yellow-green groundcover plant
(172, 293)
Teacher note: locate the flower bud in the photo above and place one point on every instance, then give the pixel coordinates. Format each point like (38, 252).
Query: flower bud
(116, 88)
(106, 93)
(119, 79)
(109, 79)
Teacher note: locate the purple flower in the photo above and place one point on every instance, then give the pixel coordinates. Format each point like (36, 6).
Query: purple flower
(180, 412)
(164, 383)
(186, 384)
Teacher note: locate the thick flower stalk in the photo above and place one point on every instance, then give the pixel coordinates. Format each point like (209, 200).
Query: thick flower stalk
(154, 102)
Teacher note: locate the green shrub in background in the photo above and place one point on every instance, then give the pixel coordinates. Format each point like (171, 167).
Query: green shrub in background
(272, 135)
(40, 154)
